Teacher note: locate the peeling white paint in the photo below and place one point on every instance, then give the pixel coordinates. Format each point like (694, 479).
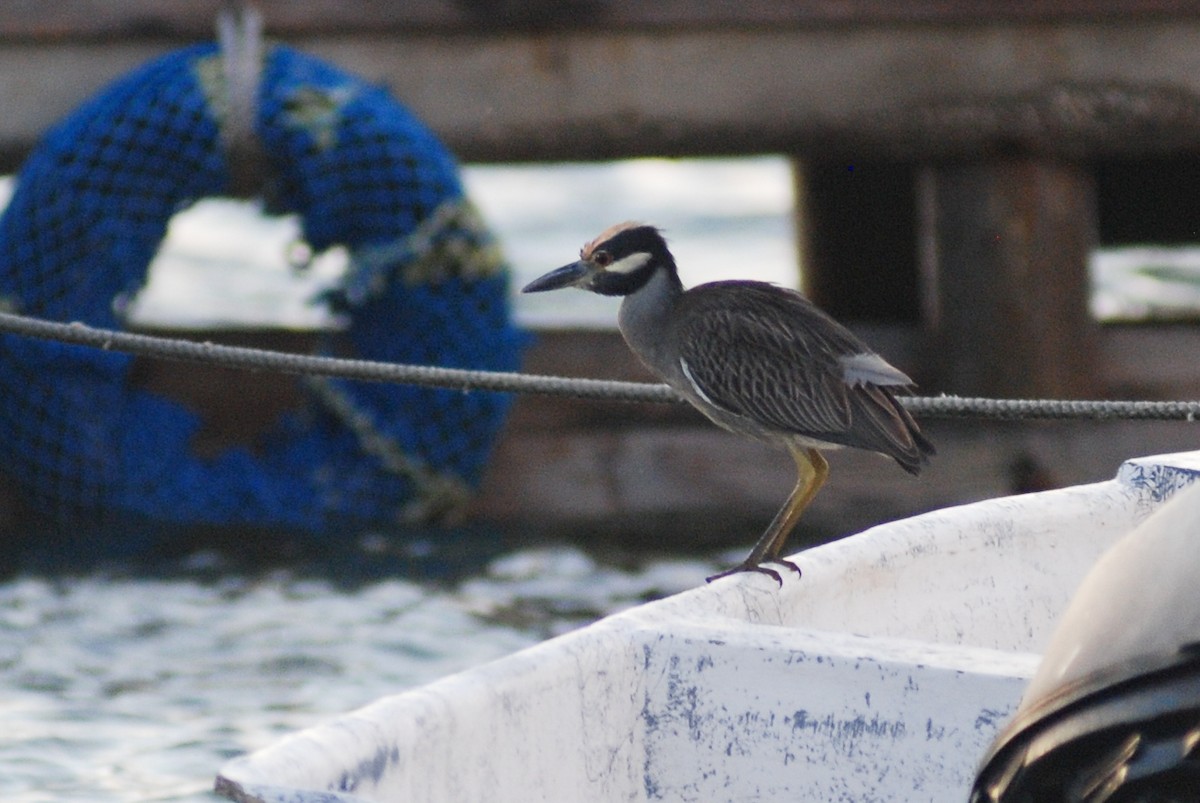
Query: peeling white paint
(881, 675)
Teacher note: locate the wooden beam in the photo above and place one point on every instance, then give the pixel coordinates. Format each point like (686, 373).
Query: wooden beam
(914, 89)
(700, 477)
(105, 19)
(1010, 315)
(661, 470)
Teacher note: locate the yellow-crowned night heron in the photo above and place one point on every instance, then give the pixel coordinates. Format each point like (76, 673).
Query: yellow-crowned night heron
(757, 359)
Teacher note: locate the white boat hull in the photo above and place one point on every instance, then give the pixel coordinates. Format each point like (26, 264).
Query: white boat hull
(882, 674)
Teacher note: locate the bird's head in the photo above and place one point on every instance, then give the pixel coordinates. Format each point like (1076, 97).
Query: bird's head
(618, 262)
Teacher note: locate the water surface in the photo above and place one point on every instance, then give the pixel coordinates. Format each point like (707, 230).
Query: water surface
(137, 683)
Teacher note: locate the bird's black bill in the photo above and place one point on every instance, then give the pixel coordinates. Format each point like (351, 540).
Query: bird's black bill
(565, 276)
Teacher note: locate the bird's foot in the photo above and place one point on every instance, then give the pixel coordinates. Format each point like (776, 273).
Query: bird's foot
(748, 566)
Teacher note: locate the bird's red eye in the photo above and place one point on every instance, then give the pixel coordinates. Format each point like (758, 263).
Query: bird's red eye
(602, 258)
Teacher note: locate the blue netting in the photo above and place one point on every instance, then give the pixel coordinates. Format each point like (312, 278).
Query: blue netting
(91, 207)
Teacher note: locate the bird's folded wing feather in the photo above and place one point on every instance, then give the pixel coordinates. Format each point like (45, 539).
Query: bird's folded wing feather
(769, 354)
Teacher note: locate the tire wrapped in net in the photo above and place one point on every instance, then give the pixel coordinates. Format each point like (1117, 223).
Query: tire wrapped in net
(426, 284)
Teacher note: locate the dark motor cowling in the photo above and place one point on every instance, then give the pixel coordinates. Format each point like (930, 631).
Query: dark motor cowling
(1113, 713)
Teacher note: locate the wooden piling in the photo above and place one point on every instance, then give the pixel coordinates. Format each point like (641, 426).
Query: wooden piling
(1006, 277)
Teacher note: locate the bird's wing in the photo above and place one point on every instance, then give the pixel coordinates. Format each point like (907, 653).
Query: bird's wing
(767, 353)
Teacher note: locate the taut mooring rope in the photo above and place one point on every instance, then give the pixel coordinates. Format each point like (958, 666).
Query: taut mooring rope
(252, 359)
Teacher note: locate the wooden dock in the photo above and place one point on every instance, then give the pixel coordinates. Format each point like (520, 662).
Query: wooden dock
(956, 162)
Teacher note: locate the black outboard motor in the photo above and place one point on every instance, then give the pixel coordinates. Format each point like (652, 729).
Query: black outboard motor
(1113, 713)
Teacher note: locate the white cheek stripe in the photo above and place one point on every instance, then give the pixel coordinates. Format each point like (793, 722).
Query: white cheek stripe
(630, 263)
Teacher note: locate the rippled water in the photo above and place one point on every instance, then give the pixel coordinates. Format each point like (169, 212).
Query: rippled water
(134, 684)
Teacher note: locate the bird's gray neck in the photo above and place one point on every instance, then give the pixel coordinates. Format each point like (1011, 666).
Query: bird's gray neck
(644, 318)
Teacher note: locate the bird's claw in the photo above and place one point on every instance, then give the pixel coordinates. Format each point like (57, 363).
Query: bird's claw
(747, 566)
(787, 563)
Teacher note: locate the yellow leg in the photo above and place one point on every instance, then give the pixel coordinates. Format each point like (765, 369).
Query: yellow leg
(811, 469)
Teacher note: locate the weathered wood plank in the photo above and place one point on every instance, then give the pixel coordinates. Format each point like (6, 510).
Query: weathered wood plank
(93, 19)
(698, 476)
(674, 475)
(912, 89)
(641, 470)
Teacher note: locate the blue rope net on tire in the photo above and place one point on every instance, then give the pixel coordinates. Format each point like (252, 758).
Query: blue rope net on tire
(426, 285)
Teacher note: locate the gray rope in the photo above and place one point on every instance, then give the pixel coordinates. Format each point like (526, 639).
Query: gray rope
(169, 348)
(1053, 409)
(603, 390)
